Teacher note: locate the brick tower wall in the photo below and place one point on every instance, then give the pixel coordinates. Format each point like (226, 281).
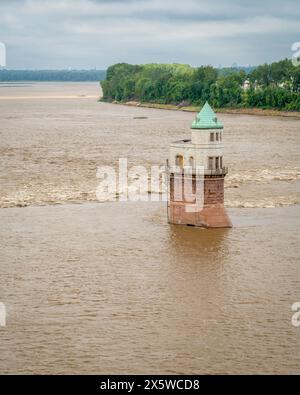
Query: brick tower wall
(213, 191)
(213, 213)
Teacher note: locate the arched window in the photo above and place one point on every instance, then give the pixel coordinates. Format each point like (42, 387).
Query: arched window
(179, 160)
(192, 162)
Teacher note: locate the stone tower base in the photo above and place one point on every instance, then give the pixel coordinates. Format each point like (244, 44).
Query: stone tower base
(211, 215)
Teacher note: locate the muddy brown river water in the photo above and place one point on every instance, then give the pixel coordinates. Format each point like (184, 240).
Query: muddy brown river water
(111, 287)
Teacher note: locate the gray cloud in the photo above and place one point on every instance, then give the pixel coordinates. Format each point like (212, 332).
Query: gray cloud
(96, 33)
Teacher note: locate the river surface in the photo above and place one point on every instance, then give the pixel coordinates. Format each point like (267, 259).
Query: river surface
(111, 287)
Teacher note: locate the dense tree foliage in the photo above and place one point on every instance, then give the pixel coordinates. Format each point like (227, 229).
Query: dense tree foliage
(274, 86)
(51, 75)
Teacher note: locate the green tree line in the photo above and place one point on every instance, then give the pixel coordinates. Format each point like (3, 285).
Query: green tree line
(51, 75)
(269, 86)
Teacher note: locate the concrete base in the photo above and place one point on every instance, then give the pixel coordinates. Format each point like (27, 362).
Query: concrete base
(209, 217)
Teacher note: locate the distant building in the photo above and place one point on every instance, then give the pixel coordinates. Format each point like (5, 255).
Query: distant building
(199, 163)
(246, 85)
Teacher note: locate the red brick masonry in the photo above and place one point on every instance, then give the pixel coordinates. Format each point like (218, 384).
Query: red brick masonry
(184, 211)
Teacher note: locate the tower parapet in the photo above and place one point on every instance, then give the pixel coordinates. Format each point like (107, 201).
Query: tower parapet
(203, 151)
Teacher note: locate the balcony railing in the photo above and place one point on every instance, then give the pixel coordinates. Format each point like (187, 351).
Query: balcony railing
(216, 172)
(189, 170)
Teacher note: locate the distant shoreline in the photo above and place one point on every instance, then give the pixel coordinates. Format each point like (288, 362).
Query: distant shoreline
(57, 97)
(238, 111)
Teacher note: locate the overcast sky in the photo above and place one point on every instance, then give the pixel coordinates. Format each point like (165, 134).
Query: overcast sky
(97, 33)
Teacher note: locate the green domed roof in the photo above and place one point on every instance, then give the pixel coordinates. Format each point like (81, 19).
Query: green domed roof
(206, 119)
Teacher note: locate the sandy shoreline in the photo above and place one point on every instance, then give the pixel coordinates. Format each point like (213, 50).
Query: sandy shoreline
(238, 111)
(192, 109)
(49, 97)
